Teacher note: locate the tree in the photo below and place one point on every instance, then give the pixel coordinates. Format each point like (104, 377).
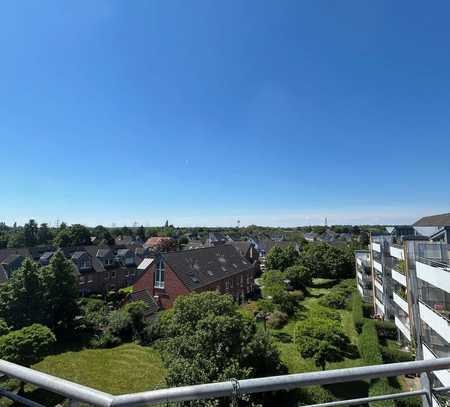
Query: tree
(327, 261)
(80, 235)
(22, 299)
(61, 291)
(62, 238)
(281, 258)
(322, 340)
(299, 276)
(141, 233)
(207, 340)
(30, 231)
(27, 345)
(101, 233)
(44, 235)
(17, 239)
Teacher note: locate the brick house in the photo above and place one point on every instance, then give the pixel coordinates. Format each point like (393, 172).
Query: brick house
(219, 268)
(98, 268)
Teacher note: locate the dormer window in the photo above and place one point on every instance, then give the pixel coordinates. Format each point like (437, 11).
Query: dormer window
(85, 264)
(159, 275)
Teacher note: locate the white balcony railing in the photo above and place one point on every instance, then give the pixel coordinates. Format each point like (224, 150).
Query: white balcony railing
(376, 247)
(232, 389)
(401, 302)
(403, 328)
(399, 277)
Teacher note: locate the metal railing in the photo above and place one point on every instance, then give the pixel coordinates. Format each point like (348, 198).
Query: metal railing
(77, 393)
(439, 263)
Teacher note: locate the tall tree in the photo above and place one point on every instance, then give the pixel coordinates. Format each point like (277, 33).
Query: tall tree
(141, 233)
(61, 291)
(209, 340)
(30, 230)
(22, 299)
(44, 235)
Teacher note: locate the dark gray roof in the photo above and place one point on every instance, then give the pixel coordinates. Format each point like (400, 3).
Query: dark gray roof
(242, 246)
(47, 255)
(103, 252)
(201, 267)
(268, 244)
(434, 220)
(219, 236)
(78, 254)
(145, 296)
(123, 252)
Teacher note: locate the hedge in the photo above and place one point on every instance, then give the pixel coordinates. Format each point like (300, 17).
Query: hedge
(368, 344)
(394, 355)
(357, 312)
(379, 387)
(386, 329)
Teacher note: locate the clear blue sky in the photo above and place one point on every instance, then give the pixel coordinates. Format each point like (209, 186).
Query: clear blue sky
(205, 112)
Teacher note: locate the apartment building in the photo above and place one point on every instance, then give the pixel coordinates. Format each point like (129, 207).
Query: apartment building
(411, 287)
(364, 275)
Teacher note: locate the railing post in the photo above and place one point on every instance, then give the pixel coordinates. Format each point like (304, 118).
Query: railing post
(427, 399)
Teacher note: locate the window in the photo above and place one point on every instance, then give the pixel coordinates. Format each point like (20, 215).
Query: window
(85, 264)
(106, 276)
(113, 274)
(159, 276)
(81, 279)
(90, 278)
(227, 285)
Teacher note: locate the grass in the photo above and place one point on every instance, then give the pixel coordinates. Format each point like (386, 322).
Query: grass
(127, 368)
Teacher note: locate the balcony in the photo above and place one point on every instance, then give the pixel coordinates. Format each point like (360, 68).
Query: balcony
(232, 389)
(380, 307)
(401, 302)
(379, 285)
(442, 375)
(377, 266)
(434, 320)
(400, 278)
(376, 247)
(397, 251)
(434, 272)
(403, 328)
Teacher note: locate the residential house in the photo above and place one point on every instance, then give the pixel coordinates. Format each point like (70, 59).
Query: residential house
(247, 249)
(216, 239)
(218, 268)
(159, 243)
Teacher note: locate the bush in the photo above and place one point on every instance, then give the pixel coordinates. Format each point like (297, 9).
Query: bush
(151, 332)
(368, 344)
(120, 325)
(299, 276)
(26, 346)
(394, 355)
(324, 312)
(4, 328)
(95, 314)
(357, 312)
(379, 387)
(277, 320)
(323, 340)
(315, 395)
(334, 299)
(386, 329)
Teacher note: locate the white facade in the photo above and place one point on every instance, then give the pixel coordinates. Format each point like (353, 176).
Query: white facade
(396, 252)
(403, 328)
(377, 266)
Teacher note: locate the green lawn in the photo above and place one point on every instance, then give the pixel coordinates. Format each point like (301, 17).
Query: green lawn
(127, 368)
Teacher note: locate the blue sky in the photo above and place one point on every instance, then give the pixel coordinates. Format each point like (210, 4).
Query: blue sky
(205, 112)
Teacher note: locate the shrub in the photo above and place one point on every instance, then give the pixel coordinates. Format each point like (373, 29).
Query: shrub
(95, 314)
(120, 325)
(386, 329)
(334, 299)
(323, 340)
(394, 355)
(357, 312)
(368, 344)
(107, 340)
(277, 320)
(324, 312)
(26, 346)
(379, 387)
(151, 332)
(4, 328)
(299, 276)
(315, 395)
